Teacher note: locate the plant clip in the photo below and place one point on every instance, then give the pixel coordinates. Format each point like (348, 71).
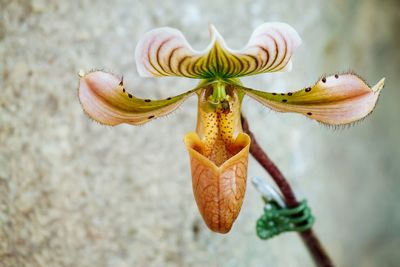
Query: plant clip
(278, 218)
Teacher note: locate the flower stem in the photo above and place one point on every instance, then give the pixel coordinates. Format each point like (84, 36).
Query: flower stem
(309, 238)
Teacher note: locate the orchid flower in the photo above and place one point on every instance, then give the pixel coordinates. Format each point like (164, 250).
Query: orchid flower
(219, 149)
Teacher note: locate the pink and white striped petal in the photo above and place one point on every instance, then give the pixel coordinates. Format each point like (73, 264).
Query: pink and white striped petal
(166, 52)
(104, 98)
(333, 100)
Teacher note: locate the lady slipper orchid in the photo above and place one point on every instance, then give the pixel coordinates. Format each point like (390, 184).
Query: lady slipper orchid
(219, 149)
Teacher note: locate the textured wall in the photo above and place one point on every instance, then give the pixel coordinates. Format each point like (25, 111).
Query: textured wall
(75, 193)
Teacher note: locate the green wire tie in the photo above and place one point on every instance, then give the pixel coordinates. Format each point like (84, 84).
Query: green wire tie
(277, 218)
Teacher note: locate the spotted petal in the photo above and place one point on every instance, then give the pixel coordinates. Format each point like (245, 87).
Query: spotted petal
(104, 99)
(334, 100)
(166, 52)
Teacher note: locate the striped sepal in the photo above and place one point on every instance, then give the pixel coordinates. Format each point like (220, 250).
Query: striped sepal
(166, 52)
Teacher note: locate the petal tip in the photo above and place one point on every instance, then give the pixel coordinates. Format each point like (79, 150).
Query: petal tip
(379, 86)
(93, 87)
(100, 79)
(294, 35)
(215, 35)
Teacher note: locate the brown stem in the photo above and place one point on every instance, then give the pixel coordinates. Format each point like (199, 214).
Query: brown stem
(309, 238)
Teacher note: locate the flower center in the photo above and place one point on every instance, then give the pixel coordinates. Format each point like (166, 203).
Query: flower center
(219, 122)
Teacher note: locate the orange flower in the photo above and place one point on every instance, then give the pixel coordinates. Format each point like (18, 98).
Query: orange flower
(219, 149)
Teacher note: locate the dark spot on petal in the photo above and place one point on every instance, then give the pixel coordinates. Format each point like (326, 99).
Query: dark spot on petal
(123, 90)
(324, 80)
(147, 100)
(282, 94)
(336, 76)
(308, 89)
(150, 117)
(169, 98)
(309, 113)
(290, 93)
(274, 93)
(130, 96)
(284, 100)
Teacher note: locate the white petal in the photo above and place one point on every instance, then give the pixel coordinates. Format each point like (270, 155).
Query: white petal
(166, 52)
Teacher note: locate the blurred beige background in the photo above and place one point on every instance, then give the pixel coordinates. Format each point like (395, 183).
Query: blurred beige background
(75, 193)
